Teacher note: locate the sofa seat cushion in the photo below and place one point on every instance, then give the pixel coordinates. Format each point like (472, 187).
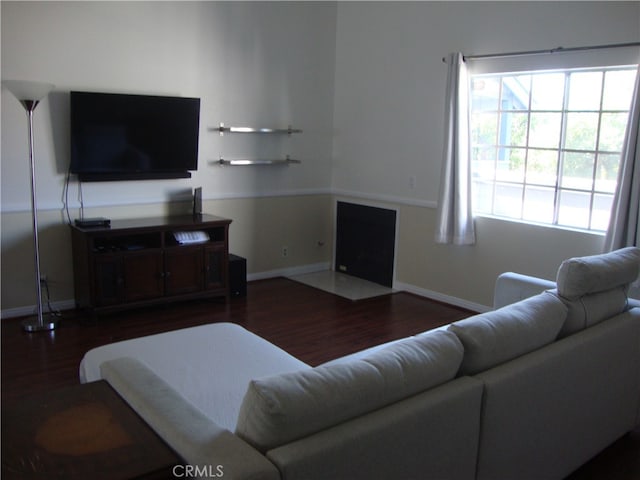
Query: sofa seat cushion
(597, 273)
(282, 408)
(495, 337)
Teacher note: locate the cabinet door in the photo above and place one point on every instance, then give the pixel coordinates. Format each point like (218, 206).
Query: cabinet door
(143, 274)
(108, 281)
(183, 270)
(215, 266)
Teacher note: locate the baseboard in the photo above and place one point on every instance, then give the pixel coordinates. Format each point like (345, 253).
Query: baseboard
(31, 309)
(399, 286)
(441, 297)
(69, 304)
(283, 272)
(286, 272)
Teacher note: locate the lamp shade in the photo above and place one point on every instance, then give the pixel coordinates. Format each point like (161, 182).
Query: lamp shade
(25, 90)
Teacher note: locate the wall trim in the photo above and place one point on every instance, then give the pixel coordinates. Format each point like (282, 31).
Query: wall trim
(397, 286)
(184, 196)
(282, 272)
(71, 304)
(24, 207)
(31, 309)
(441, 297)
(412, 202)
(289, 271)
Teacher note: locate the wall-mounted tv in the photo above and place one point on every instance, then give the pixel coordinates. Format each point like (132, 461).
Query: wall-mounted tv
(133, 137)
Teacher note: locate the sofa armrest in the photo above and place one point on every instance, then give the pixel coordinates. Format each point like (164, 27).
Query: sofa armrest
(582, 391)
(512, 287)
(195, 437)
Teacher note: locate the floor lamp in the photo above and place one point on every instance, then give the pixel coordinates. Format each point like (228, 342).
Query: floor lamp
(29, 95)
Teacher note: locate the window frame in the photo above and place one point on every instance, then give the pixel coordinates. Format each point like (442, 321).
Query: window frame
(557, 189)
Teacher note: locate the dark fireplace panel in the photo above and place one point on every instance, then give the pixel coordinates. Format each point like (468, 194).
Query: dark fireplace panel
(365, 242)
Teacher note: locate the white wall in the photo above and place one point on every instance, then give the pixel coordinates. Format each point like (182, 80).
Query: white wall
(389, 107)
(252, 64)
(259, 64)
(390, 78)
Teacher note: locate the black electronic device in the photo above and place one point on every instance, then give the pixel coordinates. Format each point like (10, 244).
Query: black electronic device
(93, 222)
(133, 137)
(197, 201)
(237, 276)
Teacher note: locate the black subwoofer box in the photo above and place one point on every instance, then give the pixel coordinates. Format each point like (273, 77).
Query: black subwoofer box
(237, 276)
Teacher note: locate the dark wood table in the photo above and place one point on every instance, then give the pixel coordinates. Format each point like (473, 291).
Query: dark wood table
(83, 431)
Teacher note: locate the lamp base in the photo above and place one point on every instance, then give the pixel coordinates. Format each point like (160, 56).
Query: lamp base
(49, 322)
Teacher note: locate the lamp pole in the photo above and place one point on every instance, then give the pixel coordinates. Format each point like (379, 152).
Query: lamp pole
(29, 95)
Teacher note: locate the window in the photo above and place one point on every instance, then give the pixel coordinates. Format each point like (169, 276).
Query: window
(546, 145)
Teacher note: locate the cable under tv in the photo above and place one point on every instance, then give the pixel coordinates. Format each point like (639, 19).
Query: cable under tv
(93, 222)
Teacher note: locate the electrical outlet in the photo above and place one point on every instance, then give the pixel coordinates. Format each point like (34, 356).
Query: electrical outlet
(285, 251)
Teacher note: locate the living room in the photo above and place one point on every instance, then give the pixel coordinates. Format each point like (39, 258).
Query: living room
(364, 81)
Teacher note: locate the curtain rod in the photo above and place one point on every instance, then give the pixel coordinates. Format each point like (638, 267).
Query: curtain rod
(553, 50)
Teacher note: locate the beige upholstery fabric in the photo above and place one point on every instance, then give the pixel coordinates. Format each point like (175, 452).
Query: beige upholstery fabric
(596, 273)
(498, 336)
(430, 436)
(548, 412)
(197, 439)
(512, 287)
(591, 309)
(279, 409)
(196, 361)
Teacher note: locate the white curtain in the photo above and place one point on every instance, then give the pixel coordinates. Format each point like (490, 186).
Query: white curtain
(454, 217)
(624, 226)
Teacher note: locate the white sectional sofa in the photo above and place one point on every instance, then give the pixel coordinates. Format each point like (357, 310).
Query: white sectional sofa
(531, 390)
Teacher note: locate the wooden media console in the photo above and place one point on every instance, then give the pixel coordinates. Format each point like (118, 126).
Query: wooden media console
(137, 262)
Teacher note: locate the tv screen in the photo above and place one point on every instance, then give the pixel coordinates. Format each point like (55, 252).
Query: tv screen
(133, 137)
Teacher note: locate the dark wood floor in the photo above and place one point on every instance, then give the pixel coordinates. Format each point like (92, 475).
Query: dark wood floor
(310, 324)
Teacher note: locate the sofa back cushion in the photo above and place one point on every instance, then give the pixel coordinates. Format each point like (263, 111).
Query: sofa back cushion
(591, 309)
(498, 336)
(282, 408)
(581, 276)
(594, 288)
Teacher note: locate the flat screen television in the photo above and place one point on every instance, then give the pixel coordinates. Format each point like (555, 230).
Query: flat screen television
(133, 137)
